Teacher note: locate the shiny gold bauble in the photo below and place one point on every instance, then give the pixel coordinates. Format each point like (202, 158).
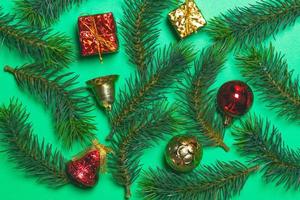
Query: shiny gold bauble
(183, 153)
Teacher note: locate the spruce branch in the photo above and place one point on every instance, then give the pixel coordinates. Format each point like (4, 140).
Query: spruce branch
(133, 139)
(253, 24)
(141, 90)
(23, 148)
(43, 13)
(139, 29)
(268, 71)
(51, 49)
(197, 106)
(263, 145)
(70, 108)
(219, 181)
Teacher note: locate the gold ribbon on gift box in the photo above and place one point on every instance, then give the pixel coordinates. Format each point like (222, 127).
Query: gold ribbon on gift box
(187, 19)
(188, 13)
(99, 39)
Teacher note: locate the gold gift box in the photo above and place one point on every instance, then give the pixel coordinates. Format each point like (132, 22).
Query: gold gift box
(187, 19)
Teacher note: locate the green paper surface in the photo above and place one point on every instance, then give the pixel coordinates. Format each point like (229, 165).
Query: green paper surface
(14, 184)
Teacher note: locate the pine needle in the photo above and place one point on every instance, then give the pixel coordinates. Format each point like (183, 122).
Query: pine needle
(52, 49)
(220, 181)
(23, 148)
(133, 139)
(42, 13)
(140, 91)
(263, 145)
(139, 29)
(70, 108)
(267, 70)
(197, 105)
(247, 26)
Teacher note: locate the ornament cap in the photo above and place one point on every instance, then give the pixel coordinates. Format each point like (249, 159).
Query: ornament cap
(104, 90)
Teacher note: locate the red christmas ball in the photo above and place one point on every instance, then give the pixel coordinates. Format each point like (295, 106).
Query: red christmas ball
(83, 171)
(234, 99)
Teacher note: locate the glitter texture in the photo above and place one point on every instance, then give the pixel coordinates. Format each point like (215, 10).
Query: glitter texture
(84, 171)
(187, 19)
(97, 34)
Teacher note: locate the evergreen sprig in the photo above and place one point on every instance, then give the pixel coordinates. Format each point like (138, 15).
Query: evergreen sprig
(23, 148)
(268, 71)
(140, 91)
(51, 49)
(130, 143)
(69, 105)
(139, 29)
(196, 102)
(253, 24)
(219, 181)
(43, 13)
(262, 144)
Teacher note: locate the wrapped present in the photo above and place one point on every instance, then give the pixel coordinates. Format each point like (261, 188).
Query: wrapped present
(98, 34)
(187, 19)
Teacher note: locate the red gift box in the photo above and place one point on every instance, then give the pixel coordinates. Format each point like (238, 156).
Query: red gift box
(98, 34)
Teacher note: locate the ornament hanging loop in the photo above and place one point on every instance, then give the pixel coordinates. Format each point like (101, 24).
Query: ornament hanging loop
(103, 151)
(227, 120)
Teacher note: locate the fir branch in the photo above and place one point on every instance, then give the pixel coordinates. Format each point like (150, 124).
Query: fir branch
(51, 49)
(219, 181)
(263, 145)
(43, 13)
(253, 24)
(139, 29)
(70, 108)
(140, 91)
(268, 72)
(134, 138)
(199, 110)
(23, 148)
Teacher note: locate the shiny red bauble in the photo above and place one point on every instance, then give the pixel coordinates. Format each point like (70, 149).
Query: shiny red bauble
(84, 171)
(234, 99)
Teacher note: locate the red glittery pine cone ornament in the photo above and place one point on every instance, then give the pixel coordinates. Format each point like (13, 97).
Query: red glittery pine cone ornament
(98, 34)
(234, 99)
(83, 170)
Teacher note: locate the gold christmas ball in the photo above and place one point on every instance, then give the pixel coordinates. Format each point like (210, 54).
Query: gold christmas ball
(183, 153)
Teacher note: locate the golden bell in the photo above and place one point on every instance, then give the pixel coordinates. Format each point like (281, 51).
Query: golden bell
(104, 90)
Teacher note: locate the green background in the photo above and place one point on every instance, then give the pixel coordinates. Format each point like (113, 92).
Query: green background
(15, 185)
